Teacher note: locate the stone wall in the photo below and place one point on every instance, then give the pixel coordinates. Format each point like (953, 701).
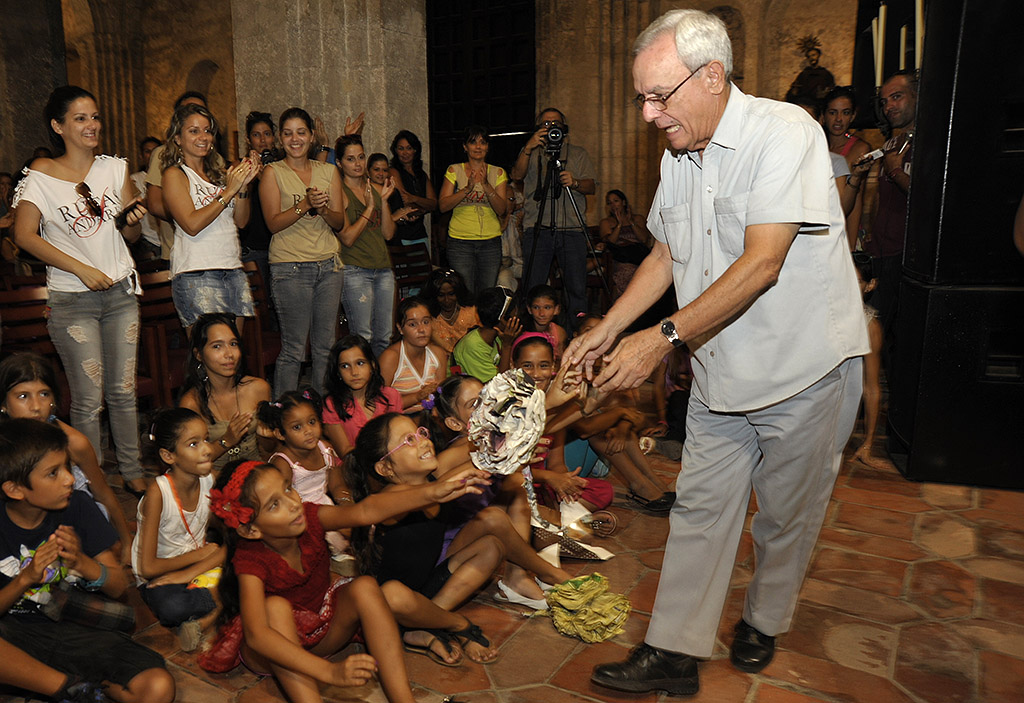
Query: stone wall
(584, 65)
(103, 42)
(335, 59)
(189, 49)
(31, 66)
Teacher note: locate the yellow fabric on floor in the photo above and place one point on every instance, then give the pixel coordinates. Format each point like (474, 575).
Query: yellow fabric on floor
(584, 608)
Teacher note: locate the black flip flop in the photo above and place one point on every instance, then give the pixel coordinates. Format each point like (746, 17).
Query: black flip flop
(442, 636)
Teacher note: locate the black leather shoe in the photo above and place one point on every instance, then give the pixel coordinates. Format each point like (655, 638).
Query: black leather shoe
(751, 649)
(650, 669)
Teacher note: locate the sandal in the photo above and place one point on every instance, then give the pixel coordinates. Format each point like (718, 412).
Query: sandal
(472, 633)
(657, 506)
(507, 595)
(442, 636)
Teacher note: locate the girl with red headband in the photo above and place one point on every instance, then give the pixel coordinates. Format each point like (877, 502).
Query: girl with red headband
(284, 607)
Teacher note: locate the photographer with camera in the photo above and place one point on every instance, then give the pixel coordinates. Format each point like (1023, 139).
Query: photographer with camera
(566, 241)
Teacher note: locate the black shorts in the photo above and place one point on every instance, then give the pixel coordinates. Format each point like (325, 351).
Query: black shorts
(76, 650)
(436, 580)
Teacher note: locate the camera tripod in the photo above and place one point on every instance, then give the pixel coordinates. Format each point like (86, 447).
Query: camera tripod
(551, 191)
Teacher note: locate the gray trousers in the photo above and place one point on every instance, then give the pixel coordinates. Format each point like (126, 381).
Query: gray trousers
(790, 454)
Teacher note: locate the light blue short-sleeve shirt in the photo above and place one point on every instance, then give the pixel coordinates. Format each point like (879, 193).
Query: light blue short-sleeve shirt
(767, 162)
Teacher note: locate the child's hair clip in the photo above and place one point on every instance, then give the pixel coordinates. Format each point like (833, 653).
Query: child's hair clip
(277, 405)
(429, 402)
(307, 395)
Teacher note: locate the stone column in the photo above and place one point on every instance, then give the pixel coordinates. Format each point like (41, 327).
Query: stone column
(335, 59)
(31, 66)
(104, 44)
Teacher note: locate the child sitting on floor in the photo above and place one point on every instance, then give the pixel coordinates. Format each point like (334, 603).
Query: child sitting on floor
(542, 305)
(484, 352)
(50, 534)
(355, 392)
(292, 611)
(170, 549)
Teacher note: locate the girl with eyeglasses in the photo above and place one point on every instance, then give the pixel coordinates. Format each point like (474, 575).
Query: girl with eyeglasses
(65, 217)
(392, 456)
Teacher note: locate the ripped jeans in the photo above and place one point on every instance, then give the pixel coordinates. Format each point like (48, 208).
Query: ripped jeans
(96, 334)
(369, 299)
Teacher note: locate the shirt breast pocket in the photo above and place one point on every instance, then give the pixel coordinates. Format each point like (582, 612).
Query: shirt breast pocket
(677, 231)
(731, 219)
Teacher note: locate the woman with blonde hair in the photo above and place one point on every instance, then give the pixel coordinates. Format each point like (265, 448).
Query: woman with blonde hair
(206, 264)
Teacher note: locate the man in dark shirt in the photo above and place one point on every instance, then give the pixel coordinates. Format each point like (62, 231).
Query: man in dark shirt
(888, 233)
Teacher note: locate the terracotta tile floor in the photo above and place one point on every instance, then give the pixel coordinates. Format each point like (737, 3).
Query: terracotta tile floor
(915, 593)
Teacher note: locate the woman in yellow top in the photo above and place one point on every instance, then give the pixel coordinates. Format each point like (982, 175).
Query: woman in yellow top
(476, 191)
(302, 207)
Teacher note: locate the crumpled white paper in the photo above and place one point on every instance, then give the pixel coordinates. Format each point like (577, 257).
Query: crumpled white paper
(507, 423)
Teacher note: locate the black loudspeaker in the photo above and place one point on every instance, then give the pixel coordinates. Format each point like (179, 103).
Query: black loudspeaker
(968, 169)
(956, 404)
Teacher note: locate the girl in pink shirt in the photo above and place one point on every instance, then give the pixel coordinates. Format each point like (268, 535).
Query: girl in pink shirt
(355, 392)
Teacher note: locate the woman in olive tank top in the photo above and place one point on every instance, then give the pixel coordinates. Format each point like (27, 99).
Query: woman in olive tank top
(302, 206)
(370, 291)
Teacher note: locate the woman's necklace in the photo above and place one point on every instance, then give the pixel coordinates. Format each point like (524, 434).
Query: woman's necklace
(450, 319)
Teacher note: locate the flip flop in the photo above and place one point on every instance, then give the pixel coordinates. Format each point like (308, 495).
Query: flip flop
(438, 636)
(507, 595)
(472, 633)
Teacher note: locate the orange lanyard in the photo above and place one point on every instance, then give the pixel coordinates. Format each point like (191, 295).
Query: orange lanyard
(181, 512)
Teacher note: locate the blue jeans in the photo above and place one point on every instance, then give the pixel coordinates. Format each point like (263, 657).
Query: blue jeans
(96, 334)
(369, 299)
(570, 247)
(175, 603)
(306, 297)
(477, 261)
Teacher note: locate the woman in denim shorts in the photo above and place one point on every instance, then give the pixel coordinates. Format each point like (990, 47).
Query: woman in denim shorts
(206, 265)
(65, 214)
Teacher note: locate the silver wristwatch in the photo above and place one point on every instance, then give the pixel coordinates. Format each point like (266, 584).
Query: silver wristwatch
(668, 329)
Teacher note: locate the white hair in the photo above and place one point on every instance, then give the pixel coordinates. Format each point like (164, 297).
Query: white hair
(700, 38)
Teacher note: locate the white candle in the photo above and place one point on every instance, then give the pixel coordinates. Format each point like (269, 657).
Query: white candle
(874, 47)
(903, 47)
(881, 41)
(918, 32)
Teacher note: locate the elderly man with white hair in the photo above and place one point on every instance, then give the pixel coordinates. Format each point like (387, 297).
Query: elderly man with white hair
(750, 230)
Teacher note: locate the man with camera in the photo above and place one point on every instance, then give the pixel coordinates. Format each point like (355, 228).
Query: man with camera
(574, 171)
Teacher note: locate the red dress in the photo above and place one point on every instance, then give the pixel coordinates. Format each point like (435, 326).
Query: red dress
(311, 592)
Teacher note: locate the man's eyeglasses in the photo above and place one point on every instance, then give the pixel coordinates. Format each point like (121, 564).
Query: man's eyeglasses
(85, 192)
(409, 440)
(660, 102)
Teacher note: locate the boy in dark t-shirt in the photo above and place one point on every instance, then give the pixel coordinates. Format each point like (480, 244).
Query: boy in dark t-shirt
(50, 533)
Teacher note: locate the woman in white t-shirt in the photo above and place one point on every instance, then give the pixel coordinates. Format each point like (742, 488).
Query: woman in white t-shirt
(65, 218)
(206, 264)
